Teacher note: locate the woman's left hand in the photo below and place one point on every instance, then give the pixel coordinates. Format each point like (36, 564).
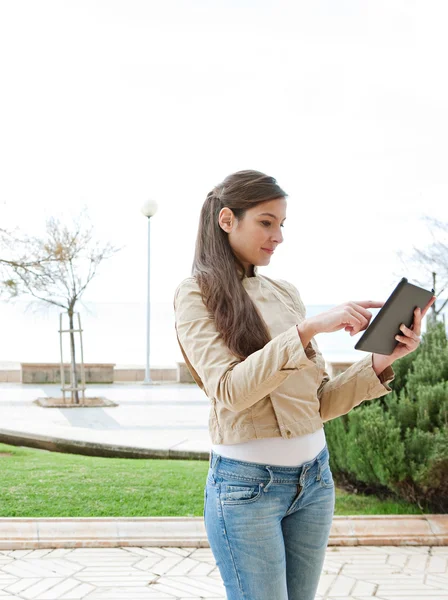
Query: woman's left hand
(409, 341)
(410, 337)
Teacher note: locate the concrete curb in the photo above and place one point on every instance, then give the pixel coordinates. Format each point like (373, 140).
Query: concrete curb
(65, 445)
(106, 532)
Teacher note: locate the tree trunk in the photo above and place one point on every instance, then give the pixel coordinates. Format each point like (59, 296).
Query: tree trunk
(433, 316)
(73, 372)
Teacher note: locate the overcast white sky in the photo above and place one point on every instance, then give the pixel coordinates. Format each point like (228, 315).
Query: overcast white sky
(344, 102)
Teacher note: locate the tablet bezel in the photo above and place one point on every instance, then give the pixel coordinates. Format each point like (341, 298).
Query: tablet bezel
(415, 296)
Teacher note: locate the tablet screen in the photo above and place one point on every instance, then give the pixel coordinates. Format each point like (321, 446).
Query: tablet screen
(399, 308)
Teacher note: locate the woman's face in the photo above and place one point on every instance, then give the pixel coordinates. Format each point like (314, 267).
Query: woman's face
(255, 232)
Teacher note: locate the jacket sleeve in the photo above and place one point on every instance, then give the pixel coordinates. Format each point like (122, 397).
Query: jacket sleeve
(236, 384)
(338, 395)
(356, 384)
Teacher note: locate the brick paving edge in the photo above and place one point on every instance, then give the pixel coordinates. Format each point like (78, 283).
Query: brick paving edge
(107, 532)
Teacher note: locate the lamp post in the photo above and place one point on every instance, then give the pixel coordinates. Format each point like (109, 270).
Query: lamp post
(149, 209)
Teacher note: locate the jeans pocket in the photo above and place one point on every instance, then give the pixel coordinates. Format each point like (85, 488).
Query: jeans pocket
(240, 494)
(325, 475)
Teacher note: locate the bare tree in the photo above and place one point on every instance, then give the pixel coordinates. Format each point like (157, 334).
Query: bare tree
(433, 263)
(55, 269)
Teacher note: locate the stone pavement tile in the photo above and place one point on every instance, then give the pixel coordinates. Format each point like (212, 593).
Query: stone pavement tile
(190, 587)
(167, 551)
(370, 573)
(215, 574)
(366, 559)
(165, 565)
(331, 566)
(148, 563)
(342, 586)
(388, 549)
(55, 592)
(365, 589)
(407, 596)
(181, 551)
(325, 582)
(440, 580)
(39, 568)
(79, 592)
(437, 564)
(204, 584)
(20, 584)
(121, 579)
(138, 550)
(123, 593)
(417, 549)
(413, 579)
(58, 552)
(201, 569)
(404, 549)
(37, 589)
(376, 597)
(203, 554)
(5, 583)
(344, 550)
(398, 560)
(418, 562)
(91, 557)
(440, 550)
(400, 590)
(40, 553)
(16, 553)
(184, 567)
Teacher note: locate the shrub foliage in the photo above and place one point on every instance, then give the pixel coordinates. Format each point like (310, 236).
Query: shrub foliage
(399, 442)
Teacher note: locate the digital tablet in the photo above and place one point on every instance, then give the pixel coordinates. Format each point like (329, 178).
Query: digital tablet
(399, 308)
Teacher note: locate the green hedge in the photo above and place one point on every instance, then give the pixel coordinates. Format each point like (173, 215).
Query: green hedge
(398, 444)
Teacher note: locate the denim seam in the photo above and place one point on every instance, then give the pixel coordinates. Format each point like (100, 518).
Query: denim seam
(266, 480)
(237, 477)
(322, 481)
(298, 497)
(278, 467)
(244, 500)
(226, 537)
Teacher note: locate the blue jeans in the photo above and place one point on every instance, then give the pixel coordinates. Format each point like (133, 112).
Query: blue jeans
(268, 526)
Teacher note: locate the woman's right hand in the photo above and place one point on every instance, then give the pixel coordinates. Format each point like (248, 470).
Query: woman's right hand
(351, 316)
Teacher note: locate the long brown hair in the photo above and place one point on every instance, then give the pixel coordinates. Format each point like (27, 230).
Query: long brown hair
(218, 270)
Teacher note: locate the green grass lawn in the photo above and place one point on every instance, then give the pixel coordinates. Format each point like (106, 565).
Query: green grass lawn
(37, 483)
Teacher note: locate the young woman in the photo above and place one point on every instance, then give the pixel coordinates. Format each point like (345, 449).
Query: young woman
(269, 496)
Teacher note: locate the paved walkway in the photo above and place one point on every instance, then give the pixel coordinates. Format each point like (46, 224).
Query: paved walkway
(382, 573)
(167, 418)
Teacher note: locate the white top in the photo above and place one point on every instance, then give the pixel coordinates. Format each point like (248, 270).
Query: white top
(278, 451)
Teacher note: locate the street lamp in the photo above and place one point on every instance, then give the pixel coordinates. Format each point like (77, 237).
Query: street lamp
(149, 209)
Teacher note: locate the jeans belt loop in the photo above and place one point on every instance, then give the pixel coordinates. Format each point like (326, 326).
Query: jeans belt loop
(270, 480)
(214, 460)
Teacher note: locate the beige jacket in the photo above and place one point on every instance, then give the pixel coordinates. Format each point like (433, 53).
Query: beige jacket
(279, 390)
